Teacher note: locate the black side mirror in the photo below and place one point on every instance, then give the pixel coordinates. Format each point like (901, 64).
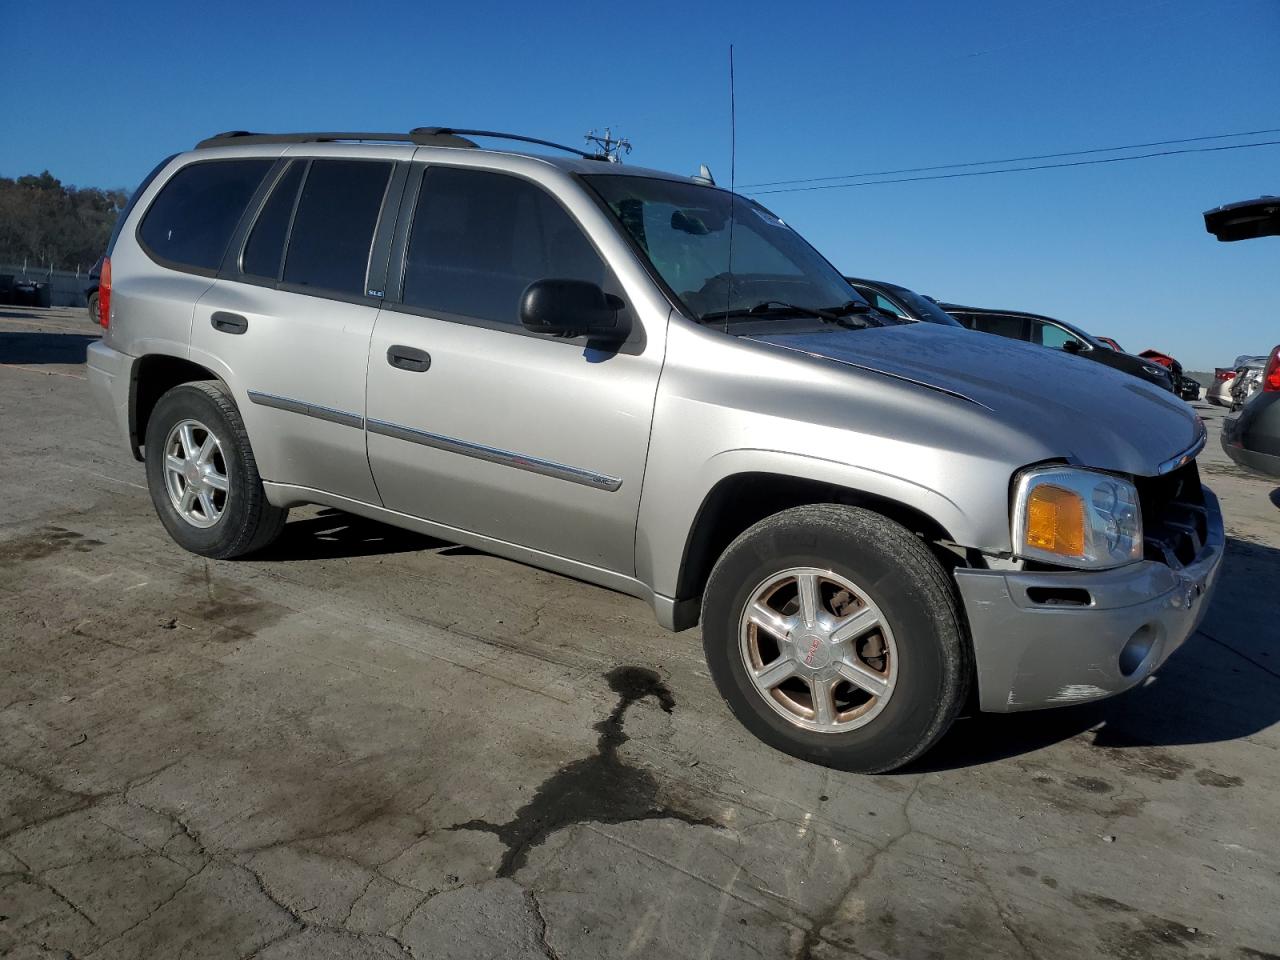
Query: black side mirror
(572, 308)
(1072, 346)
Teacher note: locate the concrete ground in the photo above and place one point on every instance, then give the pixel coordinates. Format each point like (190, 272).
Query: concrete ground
(368, 743)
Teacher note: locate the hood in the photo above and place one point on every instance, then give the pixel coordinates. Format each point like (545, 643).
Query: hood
(1080, 409)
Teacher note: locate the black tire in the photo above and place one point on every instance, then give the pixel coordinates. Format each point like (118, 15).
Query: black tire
(93, 307)
(905, 580)
(248, 522)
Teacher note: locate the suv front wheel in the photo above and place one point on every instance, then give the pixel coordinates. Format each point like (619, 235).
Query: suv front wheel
(833, 634)
(202, 475)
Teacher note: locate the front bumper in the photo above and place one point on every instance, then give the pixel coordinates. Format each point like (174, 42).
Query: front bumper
(111, 377)
(1036, 646)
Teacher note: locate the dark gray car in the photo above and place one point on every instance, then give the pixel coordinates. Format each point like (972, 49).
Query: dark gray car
(1058, 335)
(902, 303)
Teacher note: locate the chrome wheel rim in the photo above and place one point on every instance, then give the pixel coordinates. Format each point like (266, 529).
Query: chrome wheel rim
(818, 650)
(195, 474)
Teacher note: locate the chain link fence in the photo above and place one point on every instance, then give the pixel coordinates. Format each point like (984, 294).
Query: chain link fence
(36, 287)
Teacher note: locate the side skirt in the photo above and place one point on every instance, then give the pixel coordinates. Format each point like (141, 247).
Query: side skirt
(665, 609)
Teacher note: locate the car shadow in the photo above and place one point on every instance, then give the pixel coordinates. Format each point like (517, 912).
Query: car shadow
(332, 534)
(29, 347)
(1222, 684)
(1274, 496)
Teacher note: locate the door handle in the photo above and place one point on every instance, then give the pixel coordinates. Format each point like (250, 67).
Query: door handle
(408, 358)
(228, 322)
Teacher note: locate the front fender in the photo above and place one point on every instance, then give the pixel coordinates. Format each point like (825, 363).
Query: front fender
(672, 502)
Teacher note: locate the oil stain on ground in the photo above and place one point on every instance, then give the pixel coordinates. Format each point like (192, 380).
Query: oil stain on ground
(602, 788)
(45, 543)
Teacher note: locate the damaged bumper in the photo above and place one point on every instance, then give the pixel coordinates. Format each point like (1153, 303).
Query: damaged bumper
(1045, 639)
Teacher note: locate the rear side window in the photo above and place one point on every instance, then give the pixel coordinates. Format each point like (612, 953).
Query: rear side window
(264, 253)
(334, 223)
(479, 238)
(191, 221)
(1015, 328)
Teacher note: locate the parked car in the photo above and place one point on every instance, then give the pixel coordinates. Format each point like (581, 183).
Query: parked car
(1183, 386)
(553, 360)
(1057, 335)
(1252, 438)
(1220, 392)
(1247, 381)
(902, 303)
(1166, 361)
(91, 290)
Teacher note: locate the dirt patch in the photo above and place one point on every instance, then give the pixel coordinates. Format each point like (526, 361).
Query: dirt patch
(1212, 778)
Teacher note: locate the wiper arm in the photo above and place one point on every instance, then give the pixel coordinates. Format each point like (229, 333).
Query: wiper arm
(840, 315)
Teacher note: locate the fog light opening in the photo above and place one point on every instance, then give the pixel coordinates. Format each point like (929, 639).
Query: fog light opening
(1137, 650)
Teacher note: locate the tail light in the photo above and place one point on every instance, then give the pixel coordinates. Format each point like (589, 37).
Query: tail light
(1222, 376)
(1271, 378)
(104, 294)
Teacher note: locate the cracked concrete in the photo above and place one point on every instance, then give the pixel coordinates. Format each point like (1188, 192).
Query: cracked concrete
(275, 759)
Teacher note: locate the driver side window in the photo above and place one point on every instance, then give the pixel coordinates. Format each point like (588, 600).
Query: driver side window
(479, 239)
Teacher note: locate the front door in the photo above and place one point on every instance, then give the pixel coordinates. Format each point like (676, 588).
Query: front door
(477, 424)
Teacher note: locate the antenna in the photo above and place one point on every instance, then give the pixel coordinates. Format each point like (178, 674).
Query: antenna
(733, 171)
(610, 149)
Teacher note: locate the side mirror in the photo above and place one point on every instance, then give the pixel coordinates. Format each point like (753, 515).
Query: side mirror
(1073, 346)
(572, 308)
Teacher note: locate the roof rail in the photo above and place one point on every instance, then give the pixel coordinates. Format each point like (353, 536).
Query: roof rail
(498, 135)
(422, 136)
(244, 137)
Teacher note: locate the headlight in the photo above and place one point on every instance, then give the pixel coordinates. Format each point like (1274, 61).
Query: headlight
(1077, 518)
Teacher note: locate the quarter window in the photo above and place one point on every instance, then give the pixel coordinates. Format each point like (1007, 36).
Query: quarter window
(479, 239)
(264, 252)
(191, 221)
(333, 227)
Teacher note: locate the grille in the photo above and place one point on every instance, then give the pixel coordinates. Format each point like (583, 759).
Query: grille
(1175, 523)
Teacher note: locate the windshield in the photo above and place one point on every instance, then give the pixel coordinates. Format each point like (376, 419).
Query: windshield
(925, 308)
(683, 228)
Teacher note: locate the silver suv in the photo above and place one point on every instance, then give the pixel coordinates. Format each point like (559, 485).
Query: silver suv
(647, 382)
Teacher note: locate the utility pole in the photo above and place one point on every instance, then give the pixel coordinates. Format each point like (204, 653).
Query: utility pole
(610, 148)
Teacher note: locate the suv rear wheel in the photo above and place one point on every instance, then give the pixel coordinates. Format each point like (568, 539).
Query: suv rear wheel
(202, 476)
(834, 635)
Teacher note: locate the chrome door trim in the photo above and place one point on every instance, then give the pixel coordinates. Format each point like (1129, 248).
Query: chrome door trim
(547, 468)
(316, 410)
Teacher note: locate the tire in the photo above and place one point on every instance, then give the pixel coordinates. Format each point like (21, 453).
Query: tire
(863, 562)
(234, 521)
(92, 303)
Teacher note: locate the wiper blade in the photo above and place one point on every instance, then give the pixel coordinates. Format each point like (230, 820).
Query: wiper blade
(841, 315)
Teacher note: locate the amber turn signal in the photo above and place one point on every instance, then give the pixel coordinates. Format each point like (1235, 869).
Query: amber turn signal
(1056, 521)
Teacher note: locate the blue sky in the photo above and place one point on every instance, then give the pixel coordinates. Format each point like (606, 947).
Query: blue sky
(822, 89)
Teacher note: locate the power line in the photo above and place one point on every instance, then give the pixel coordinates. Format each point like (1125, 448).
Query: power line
(987, 163)
(1041, 166)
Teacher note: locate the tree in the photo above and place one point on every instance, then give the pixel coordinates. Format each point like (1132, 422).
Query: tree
(43, 221)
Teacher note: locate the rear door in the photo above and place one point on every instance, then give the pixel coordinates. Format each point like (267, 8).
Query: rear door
(290, 317)
(527, 439)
